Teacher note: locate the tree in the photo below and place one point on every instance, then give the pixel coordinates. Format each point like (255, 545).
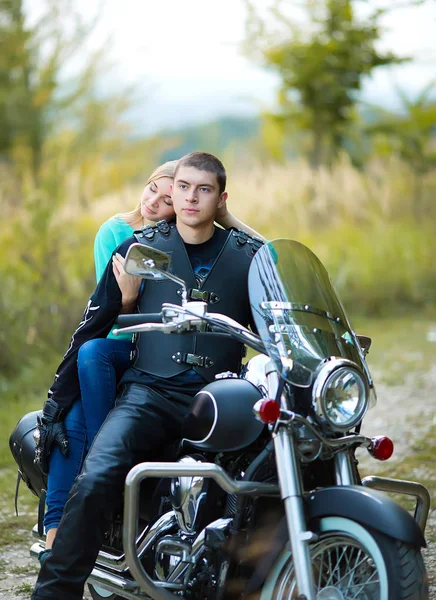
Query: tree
(410, 134)
(63, 143)
(31, 63)
(54, 119)
(321, 68)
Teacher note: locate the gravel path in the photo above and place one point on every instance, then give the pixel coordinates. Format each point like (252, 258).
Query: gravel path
(404, 414)
(398, 411)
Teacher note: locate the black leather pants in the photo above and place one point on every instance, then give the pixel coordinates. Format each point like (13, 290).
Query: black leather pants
(142, 421)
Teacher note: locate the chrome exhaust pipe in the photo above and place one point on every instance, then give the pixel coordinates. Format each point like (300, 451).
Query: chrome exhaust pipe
(117, 562)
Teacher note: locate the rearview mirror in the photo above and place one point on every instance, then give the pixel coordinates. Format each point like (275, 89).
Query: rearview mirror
(146, 262)
(149, 263)
(365, 343)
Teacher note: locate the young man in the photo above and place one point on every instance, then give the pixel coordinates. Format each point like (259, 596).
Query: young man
(168, 370)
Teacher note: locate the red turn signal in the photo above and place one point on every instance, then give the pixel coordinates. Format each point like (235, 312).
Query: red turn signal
(267, 411)
(381, 447)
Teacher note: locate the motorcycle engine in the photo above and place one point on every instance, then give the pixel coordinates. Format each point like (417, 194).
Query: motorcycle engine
(188, 498)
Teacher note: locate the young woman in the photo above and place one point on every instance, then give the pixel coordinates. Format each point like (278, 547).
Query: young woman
(101, 362)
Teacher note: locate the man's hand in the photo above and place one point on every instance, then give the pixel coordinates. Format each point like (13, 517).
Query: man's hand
(50, 431)
(128, 284)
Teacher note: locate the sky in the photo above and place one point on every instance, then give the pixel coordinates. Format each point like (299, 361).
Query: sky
(186, 61)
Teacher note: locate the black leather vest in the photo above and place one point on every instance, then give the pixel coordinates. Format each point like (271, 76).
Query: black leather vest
(226, 291)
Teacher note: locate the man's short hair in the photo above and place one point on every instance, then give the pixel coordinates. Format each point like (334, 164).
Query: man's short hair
(203, 161)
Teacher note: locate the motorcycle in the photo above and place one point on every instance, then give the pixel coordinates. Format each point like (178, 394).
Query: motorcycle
(262, 498)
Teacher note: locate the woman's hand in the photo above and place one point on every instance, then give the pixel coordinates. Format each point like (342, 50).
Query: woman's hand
(222, 216)
(128, 284)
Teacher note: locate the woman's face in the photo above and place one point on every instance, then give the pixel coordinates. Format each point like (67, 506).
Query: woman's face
(156, 203)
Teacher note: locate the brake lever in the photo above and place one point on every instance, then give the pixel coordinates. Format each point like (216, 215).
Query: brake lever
(174, 327)
(143, 327)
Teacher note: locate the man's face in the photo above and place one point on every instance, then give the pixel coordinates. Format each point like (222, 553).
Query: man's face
(196, 196)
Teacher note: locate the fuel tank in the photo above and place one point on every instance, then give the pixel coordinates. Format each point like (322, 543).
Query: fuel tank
(221, 417)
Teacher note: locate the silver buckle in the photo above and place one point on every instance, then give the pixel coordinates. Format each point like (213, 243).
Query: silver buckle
(193, 359)
(203, 295)
(199, 295)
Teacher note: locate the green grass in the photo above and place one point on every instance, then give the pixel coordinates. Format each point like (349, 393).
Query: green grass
(19, 397)
(16, 530)
(24, 589)
(29, 569)
(400, 346)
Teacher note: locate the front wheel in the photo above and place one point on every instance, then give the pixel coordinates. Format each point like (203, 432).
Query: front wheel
(352, 562)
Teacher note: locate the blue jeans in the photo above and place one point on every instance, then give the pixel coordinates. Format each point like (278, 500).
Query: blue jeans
(101, 363)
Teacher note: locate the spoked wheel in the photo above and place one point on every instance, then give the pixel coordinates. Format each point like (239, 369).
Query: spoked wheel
(351, 562)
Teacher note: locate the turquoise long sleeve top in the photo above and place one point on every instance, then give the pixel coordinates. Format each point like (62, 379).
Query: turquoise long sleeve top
(110, 235)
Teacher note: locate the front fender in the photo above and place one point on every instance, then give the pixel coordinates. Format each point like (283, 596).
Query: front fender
(362, 505)
(367, 507)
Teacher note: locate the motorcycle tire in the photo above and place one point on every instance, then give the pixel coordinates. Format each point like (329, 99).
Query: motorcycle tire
(99, 593)
(353, 561)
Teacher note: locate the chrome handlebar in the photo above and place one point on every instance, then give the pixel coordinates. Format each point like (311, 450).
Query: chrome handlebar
(175, 319)
(164, 327)
(193, 317)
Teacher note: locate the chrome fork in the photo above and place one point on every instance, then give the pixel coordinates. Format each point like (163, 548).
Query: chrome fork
(291, 491)
(344, 472)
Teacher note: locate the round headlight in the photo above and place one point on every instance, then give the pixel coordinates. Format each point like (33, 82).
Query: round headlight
(341, 395)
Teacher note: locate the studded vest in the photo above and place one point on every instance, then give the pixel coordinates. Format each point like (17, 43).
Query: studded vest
(225, 289)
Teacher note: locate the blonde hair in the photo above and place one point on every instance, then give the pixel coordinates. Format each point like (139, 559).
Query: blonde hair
(165, 170)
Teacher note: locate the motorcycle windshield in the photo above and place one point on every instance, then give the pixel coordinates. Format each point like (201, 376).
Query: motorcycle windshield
(297, 312)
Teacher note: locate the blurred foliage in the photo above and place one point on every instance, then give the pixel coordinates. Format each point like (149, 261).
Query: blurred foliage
(411, 135)
(69, 160)
(58, 130)
(361, 224)
(62, 144)
(321, 66)
(226, 137)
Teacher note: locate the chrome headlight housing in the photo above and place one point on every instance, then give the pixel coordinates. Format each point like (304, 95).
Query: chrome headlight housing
(340, 394)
